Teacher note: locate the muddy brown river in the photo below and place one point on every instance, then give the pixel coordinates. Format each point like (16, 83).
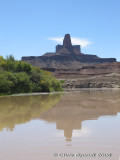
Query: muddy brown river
(76, 125)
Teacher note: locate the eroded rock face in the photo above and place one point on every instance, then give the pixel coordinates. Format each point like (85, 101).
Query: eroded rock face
(67, 41)
(110, 80)
(67, 47)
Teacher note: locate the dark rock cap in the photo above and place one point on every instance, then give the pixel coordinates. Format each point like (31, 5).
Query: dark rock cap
(67, 41)
(67, 46)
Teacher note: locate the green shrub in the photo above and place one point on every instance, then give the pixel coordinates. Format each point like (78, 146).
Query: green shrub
(5, 84)
(21, 77)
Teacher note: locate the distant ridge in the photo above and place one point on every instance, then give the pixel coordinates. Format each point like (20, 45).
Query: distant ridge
(66, 56)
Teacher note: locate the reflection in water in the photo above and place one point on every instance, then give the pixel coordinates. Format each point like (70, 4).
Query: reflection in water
(76, 107)
(89, 119)
(21, 109)
(68, 111)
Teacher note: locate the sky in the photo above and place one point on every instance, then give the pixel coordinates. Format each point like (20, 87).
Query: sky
(34, 27)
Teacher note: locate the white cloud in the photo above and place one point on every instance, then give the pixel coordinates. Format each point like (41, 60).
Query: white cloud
(56, 39)
(75, 41)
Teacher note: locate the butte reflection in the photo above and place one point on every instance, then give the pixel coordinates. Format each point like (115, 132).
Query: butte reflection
(76, 107)
(68, 110)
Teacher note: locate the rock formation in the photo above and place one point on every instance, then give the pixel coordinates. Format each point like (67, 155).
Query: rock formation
(67, 47)
(67, 56)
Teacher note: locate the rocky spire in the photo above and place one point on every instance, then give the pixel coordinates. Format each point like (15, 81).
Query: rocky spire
(67, 42)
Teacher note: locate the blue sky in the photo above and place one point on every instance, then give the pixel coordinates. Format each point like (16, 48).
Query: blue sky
(27, 27)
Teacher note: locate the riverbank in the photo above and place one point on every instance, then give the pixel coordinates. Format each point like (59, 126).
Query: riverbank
(111, 80)
(66, 90)
(105, 75)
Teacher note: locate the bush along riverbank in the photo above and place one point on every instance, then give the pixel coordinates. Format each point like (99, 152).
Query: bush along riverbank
(21, 77)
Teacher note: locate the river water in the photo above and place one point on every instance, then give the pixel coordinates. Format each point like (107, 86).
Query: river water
(78, 125)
